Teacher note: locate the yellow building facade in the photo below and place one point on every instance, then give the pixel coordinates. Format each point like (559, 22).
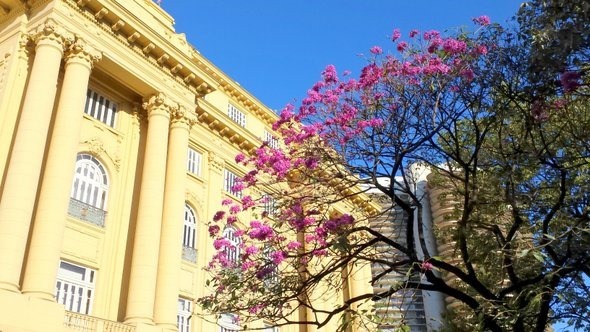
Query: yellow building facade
(117, 144)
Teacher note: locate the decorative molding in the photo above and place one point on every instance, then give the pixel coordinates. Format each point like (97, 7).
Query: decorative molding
(95, 146)
(159, 104)
(215, 162)
(82, 52)
(182, 116)
(51, 32)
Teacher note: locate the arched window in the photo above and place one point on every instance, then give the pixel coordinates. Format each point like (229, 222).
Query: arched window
(232, 252)
(189, 251)
(89, 190)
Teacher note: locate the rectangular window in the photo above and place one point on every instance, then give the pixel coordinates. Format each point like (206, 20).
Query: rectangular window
(100, 108)
(269, 205)
(272, 141)
(230, 179)
(183, 315)
(236, 115)
(75, 287)
(194, 162)
(270, 328)
(228, 323)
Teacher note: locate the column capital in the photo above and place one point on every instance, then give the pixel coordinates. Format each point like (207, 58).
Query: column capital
(159, 104)
(181, 116)
(52, 33)
(81, 52)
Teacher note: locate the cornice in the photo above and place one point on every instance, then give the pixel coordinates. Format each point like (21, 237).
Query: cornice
(148, 44)
(209, 116)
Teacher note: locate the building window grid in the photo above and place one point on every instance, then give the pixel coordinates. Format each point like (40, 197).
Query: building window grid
(236, 115)
(183, 315)
(229, 181)
(271, 140)
(75, 287)
(89, 191)
(228, 323)
(232, 251)
(189, 251)
(269, 205)
(100, 108)
(270, 328)
(194, 159)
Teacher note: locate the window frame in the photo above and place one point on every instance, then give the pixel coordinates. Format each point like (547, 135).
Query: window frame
(100, 107)
(194, 161)
(189, 234)
(232, 252)
(184, 314)
(73, 292)
(236, 115)
(230, 179)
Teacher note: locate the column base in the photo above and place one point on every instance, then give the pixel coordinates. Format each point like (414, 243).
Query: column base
(39, 295)
(23, 313)
(167, 327)
(9, 287)
(136, 321)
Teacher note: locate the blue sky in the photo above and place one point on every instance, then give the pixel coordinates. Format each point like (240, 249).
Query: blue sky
(276, 49)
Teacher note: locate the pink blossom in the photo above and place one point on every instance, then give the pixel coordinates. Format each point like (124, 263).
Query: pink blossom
(226, 201)
(251, 250)
(570, 80)
(454, 46)
(240, 157)
(277, 257)
(402, 46)
(481, 20)
(467, 74)
(265, 271)
(413, 33)
(329, 74)
(370, 75)
(247, 265)
(376, 50)
(260, 231)
(221, 243)
(426, 266)
(481, 49)
(213, 230)
(231, 220)
(218, 215)
(293, 245)
(237, 187)
(235, 209)
(255, 309)
(247, 202)
(395, 35)
(431, 34)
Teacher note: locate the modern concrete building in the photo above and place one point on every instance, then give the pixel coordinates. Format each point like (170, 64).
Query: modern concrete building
(419, 310)
(117, 145)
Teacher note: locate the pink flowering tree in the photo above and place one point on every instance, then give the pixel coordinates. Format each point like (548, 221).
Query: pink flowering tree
(347, 156)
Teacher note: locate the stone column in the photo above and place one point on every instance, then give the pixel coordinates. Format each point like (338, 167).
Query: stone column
(172, 222)
(52, 207)
(22, 176)
(144, 260)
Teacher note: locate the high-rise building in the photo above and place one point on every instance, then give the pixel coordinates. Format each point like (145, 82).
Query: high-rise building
(416, 309)
(117, 145)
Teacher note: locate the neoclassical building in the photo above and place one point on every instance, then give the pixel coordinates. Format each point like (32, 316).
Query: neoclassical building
(117, 145)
